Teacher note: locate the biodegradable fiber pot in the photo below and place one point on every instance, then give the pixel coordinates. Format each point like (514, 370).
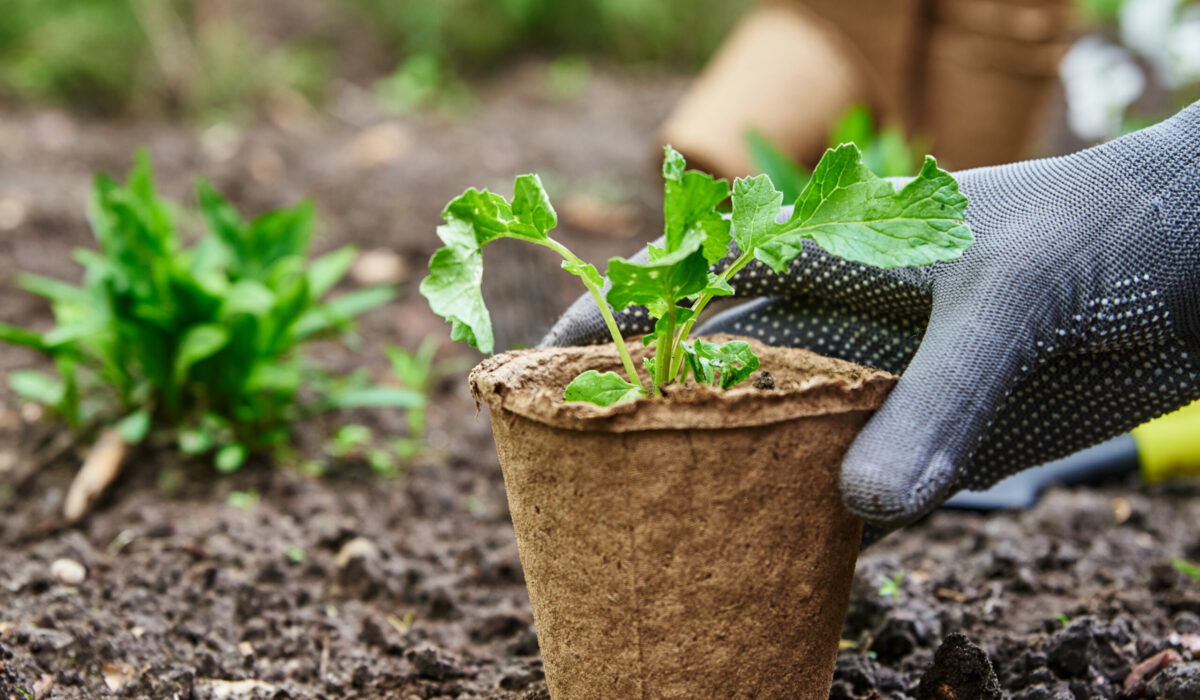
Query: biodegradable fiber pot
(692, 546)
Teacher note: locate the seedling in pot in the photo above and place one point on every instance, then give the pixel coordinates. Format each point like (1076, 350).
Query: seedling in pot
(845, 209)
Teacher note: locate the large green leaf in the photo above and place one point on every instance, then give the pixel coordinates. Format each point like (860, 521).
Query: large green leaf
(666, 278)
(472, 220)
(855, 215)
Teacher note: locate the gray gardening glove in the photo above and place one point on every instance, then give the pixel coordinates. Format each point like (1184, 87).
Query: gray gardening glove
(1073, 318)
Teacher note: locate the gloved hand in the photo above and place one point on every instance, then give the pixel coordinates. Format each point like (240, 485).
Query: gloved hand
(1074, 317)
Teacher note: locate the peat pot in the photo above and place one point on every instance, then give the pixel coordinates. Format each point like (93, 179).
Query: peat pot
(692, 546)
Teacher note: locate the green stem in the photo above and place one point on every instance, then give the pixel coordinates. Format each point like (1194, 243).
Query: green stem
(598, 296)
(665, 355)
(677, 362)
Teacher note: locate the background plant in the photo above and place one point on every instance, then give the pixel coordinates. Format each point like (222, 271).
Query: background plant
(886, 151)
(417, 371)
(189, 57)
(204, 340)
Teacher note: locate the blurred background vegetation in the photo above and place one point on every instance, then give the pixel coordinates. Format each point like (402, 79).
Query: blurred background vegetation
(190, 57)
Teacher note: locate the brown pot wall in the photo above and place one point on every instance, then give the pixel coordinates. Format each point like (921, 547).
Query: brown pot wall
(694, 546)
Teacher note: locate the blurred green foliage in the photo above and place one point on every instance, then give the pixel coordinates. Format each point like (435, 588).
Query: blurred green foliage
(203, 56)
(111, 56)
(201, 341)
(474, 34)
(886, 151)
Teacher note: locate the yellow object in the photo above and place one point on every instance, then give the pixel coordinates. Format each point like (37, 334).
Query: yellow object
(1169, 447)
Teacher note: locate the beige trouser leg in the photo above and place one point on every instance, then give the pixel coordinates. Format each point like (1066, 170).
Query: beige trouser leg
(970, 75)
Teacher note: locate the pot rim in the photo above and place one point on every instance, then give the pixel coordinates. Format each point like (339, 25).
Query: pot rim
(529, 383)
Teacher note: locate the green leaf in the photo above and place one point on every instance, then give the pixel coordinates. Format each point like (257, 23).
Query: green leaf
(54, 290)
(326, 271)
(68, 333)
(453, 289)
(474, 219)
(231, 457)
(717, 287)
(36, 386)
(855, 215)
(198, 343)
(197, 441)
(222, 219)
(375, 396)
(1191, 570)
(701, 367)
(669, 278)
(247, 296)
(278, 235)
(777, 165)
(601, 389)
(690, 200)
(134, 427)
(340, 310)
(585, 270)
(856, 126)
(673, 164)
(244, 500)
(413, 369)
(531, 206)
(734, 360)
(20, 336)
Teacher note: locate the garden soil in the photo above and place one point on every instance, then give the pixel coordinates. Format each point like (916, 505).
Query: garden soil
(350, 586)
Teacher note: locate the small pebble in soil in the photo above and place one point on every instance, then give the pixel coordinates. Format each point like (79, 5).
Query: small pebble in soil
(428, 663)
(358, 574)
(68, 572)
(764, 381)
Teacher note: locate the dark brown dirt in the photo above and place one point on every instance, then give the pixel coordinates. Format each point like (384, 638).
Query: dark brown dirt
(351, 586)
(960, 670)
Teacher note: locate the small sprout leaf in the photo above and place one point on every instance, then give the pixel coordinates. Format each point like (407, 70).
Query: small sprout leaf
(601, 389)
(134, 427)
(36, 386)
(1187, 568)
(231, 457)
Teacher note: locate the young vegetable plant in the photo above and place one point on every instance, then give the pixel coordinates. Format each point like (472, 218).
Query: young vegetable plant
(844, 208)
(204, 341)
